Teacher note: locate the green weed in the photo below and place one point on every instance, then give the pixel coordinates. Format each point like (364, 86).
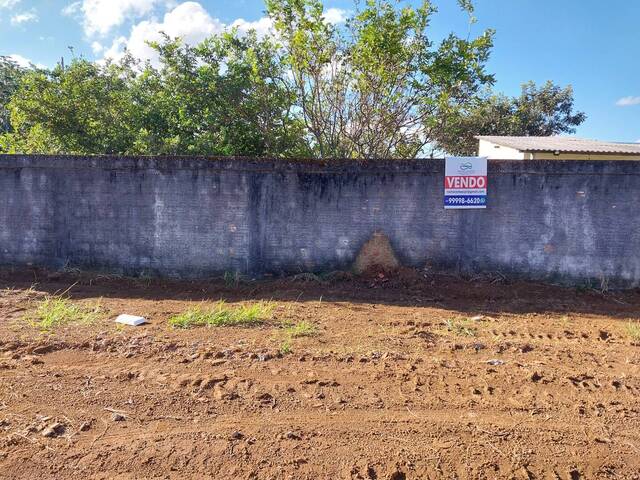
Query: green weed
(301, 329)
(57, 311)
(461, 327)
(285, 346)
(222, 315)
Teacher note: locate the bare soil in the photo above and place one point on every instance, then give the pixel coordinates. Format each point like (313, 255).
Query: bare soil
(408, 377)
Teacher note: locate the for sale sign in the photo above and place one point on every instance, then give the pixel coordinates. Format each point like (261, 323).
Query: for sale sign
(465, 182)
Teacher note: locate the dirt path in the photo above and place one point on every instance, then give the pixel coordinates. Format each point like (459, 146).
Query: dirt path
(406, 378)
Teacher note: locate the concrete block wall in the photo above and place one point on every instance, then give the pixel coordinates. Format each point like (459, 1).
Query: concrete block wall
(562, 221)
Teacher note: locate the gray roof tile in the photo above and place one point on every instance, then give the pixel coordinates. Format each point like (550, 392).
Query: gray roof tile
(562, 144)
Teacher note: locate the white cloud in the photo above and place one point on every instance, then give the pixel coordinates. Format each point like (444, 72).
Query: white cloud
(628, 101)
(20, 60)
(72, 9)
(115, 51)
(24, 17)
(9, 3)
(189, 20)
(97, 48)
(24, 61)
(335, 15)
(100, 16)
(262, 26)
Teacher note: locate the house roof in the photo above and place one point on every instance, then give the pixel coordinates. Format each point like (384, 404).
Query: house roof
(562, 144)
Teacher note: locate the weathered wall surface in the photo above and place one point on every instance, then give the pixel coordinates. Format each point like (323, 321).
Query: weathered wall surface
(190, 217)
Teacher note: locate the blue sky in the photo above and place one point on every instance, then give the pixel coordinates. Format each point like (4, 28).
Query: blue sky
(592, 45)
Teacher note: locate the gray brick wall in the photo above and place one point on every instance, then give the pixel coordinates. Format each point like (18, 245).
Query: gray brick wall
(192, 217)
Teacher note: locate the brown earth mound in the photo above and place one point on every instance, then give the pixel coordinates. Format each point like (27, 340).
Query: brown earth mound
(376, 256)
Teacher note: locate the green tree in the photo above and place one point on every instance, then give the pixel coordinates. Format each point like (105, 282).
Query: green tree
(10, 75)
(84, 108)
(225, 96)
(376, 88)
(538, 111)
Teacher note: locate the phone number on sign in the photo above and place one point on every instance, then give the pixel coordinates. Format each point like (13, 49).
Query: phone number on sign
(466, 200)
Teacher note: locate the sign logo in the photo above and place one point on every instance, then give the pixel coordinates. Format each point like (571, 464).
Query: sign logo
(465, 182)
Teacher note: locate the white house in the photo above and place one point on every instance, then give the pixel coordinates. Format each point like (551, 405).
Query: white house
(554, 148)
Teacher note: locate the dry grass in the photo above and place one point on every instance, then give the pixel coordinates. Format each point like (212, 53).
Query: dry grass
(633, 330)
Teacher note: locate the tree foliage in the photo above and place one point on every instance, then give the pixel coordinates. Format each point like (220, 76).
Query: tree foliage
(375, 90)
(10, 75)
(377, 86)
(225, 96)
(538, 111)
(222, 97)
(81, 109)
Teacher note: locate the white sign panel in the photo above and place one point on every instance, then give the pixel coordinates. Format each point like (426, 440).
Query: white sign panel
(465, 182)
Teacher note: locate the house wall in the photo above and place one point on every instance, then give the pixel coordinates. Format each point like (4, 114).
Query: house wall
(190, 217)
(498, 152)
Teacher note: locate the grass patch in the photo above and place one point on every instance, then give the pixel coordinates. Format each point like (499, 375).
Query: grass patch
(56, 311)
(461, 327)
(633, 330)
(285, 346)
(223, 315)
(295, 330)
(301, 329)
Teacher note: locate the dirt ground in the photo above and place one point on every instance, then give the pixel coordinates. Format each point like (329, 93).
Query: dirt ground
(407, 377)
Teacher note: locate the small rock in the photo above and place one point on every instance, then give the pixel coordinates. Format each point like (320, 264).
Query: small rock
(212, 381)
(42, 349)
(237, 435)
(495, 362)
(53, 430)
(604, 335)
(536, 377)
(292, 436)
(118, 417)
(85, 426)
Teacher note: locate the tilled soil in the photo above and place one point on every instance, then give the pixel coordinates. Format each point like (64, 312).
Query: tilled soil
(538, 382)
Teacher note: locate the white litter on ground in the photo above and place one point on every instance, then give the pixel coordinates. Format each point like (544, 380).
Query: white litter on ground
(132, 320)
